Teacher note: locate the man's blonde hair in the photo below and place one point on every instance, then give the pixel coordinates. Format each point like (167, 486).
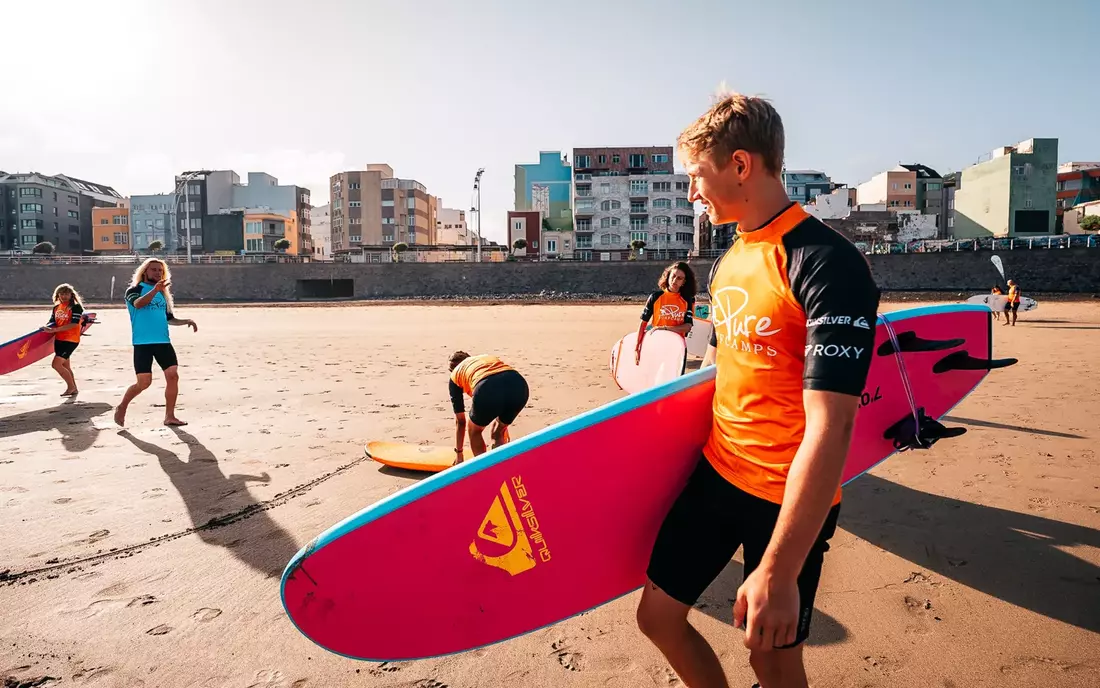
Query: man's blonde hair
(736, 122)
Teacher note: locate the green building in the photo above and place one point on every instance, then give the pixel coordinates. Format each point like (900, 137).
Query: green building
(1010, 195)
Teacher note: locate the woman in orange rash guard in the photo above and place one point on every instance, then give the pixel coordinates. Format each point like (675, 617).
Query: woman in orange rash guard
(670, 307)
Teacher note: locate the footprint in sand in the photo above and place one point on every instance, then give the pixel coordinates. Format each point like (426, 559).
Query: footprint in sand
(159, 630)
(206, 614)
(94, 537)
(62, 500)
(142, 601)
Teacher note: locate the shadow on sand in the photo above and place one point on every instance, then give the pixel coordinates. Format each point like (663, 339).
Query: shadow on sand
(1014, 428)
(1013, 556)
(71, 418)
(216, 501)
(717, 603)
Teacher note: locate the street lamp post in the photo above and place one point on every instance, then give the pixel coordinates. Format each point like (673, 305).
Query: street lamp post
(477, 189)
(185, 182)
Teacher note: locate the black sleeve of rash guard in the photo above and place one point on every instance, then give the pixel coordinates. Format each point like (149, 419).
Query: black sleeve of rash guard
(832, 280)
(647, 312)
(457, 402)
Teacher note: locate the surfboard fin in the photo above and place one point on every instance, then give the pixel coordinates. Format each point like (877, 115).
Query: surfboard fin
(911, 343)
(905, 434)
(962, 360)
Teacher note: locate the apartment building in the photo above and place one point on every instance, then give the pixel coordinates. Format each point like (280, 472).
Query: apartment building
(152, 218)
(58, 209)
(894, 189)
(262, 230)
(929, 200)
(321, 231)
(526, 225)
(111, 229)
(804, 186)
(451, 229)
(373, 208)
(210, 193)
(1012, 194)
(547, 187)
(622, 195)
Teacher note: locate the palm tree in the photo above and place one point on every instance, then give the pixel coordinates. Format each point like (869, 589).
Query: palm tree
(282, 244)
(398, 249)
(155, 246)
(43, 247)
(518, 245)
(636, 245)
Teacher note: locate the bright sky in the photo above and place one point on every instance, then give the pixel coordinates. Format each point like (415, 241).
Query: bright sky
(129, 92)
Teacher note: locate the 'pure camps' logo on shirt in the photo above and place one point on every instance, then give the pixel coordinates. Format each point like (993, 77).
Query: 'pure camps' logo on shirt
(737, 330)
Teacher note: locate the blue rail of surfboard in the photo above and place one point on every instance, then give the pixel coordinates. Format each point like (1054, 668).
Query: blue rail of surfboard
(549, 434)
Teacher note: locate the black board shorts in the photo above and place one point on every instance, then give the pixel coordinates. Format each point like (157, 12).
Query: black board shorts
(64, 349)
(500, 396)
(708, 523)
(145, 354)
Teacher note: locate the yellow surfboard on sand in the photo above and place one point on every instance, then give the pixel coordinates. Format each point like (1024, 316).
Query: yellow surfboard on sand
(414, 457)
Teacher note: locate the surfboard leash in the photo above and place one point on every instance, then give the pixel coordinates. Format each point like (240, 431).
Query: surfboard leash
(904, 375)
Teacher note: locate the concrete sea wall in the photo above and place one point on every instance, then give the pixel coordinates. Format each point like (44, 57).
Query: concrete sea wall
(1071, 270)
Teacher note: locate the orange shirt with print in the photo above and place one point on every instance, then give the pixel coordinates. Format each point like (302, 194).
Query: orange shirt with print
(1014, 294)
(794, 307)
(474, 369)
(63, 315)
(667, 309)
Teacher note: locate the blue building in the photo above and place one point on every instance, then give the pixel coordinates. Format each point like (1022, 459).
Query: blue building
(152, 219)
(553, 175)
(804, 185)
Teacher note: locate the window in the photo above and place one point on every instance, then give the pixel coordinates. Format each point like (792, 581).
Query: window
(951, 222)
(584, 189)
(1027, 203)
(27, 192)
(30, 224)
(608, 239)
(387, 220)
(358, 238)
(121, 238)
(662, 203)
(638, 224)
(685, 237)
(685, 220)
(387, 237)
(74, 200)
(253, 228)
(610, 205)
(908, 186)
(637, 206)
(639, 187)
(637, 160)
(582, 161)
(605, 188)
(682, 186)
(584, 225)
(603, 159)
(639, 236)
(933, 186)
(355, 204)
(121, 220)
(359, 220)
(951, 203)
(662, 187)
(616, 159)
(410, 202)
(410, 221)
(254, 245)
(74, 214)
(388, 203)
(908, 204)
(660, 158)
(30, 208)
(551, 245)
(585, 204)
(519, 226)
(662, 220)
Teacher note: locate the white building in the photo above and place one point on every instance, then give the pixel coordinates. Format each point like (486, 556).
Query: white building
(622, 195)
(321, 229)
(451, 229)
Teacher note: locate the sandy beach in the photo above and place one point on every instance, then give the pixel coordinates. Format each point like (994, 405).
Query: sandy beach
(151, 556)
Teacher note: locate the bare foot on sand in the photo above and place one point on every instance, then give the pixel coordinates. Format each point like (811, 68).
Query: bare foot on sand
(120, 417)
(174, 422)
(70, 393)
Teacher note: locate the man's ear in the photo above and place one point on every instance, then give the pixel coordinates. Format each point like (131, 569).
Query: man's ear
(742, 164)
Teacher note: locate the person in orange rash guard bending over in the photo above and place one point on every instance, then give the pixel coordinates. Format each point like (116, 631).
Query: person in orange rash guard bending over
(497, 395)
(670, 307)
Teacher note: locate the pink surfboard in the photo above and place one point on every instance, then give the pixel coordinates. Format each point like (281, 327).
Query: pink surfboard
(32, 348)
(662, 360)
(563, 520)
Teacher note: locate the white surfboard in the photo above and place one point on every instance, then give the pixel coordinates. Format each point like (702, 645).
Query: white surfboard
(997, 302)
(662, 360)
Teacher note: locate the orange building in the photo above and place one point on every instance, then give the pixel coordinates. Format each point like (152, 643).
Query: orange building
(111, 229)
